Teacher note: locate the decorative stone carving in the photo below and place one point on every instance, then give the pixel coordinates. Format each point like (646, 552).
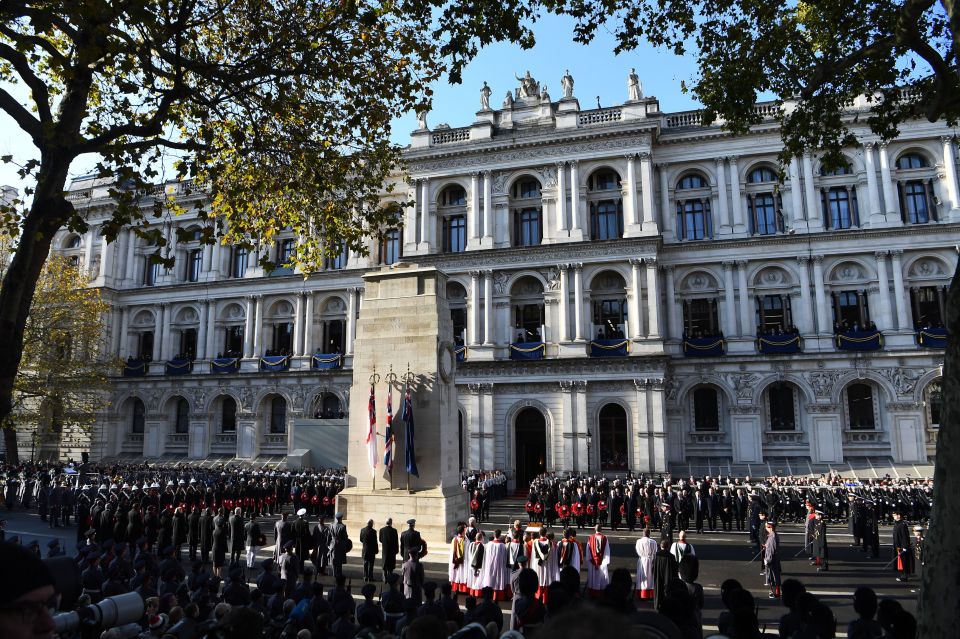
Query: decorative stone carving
(904, 380)
(552, 275)
(499, 185)
(199, 398)
(670, 388)
(743, 385)
(246, 396)
(549, 175)
(485, 92)
(822, 382)
(529, 87)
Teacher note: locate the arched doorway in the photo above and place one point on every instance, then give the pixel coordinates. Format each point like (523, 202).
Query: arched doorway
(530, 446)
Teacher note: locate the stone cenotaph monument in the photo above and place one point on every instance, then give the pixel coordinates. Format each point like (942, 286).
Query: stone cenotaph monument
(405, 325)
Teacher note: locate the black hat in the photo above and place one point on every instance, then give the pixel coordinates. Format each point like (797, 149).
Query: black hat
(31, 573)
(411, 522)
(368, 590)
(288, 545)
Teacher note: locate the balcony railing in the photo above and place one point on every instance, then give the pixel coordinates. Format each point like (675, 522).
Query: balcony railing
(863, 436)
(779, 344)
(274, 363)
(275, 439)
(609, 347)
(932, 337)
(135, 368)
(783, 436)
(527, 350)
(870, 340)
(179, 366)
(326, 361)
(703, 346)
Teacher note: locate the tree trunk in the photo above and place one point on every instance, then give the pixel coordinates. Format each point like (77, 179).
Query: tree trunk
(49, 211)
(939, 615)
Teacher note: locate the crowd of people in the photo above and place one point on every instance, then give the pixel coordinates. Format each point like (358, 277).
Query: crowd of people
(188, 541)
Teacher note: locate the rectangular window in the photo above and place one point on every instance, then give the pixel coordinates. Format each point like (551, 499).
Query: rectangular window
(151, 272)
(459, 318)
(285, 251)
(391, 248)
(238, 266)
(850, 310)
(454, 234)
(610, 318)
(529, 320)
(145, 347)
(283, 338)
(928, 302)
(229, 418)
(337, 262)
(763, 213)
(527, 229)
(841, 208)
(188, 343)
(606, 220)
(773, 314)
(700, 317)
(193, 265)
(233, 342)
(694, 221)
(915, 201)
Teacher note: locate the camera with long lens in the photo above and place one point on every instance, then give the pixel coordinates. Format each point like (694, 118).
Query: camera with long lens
(120, 614)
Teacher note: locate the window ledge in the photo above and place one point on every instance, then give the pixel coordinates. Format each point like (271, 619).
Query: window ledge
(784, 437)
(851, 436)
(708, 437)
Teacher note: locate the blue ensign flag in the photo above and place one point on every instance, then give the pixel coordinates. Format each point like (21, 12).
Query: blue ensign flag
(407, 417)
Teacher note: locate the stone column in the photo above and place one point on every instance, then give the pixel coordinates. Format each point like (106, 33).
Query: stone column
(735, 199)
(810, 192)
(130, 266)
(106, 258)
(646, 192)
(657, 447)
(569, 433)
(578, 300)
(124, 349)
(486, 419)
(351, 320)
(575, 228)
(503, 331)
(488, 331)
(166, 349)
(803, 314)
(410, 218)
(796, 197)
(248, 326)
(298, 327)
(891, 203)
(630, 193)
(211, 329)
(642, 429)
(562, 200)
(635, 310)
(582, 426)
(873, 193)
(672, 328)
(564, 302)
(308, 325)
(899, 291)
(474, 214)
(723, 213)
(666, 215)
(824, 325)
(746, 322)
(88, 250)
(216, 260)
(202, 333)
(488, 233)
(653, 299)
(883, 313)
(729, 310)
(426, 219)
(950, 168)
(258, 328)
(473, 309)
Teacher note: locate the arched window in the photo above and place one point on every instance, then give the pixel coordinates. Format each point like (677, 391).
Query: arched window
(763, 203)
(138, 416)
(782, 411)
(331, 407)
(840, 170)
(228, 415)
(706, 409)
(694, 219)
(860, 407)
(182, 424)
(527, 300)
(73, 242)
(457, 300)
(612, 436)
(527, 210)
(278, 415)
(453, 195)
(603, 180)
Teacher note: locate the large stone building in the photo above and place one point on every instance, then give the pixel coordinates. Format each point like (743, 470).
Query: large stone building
(634, 290)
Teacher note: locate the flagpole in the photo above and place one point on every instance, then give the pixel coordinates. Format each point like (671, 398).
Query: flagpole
(406, 423)
(374, 378)
(391, 382)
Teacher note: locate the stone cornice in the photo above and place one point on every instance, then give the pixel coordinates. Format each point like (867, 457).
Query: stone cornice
(537, 150)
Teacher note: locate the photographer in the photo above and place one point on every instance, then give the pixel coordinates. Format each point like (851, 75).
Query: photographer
(25, 602)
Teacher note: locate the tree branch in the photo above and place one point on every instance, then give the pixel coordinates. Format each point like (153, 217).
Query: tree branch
(24, 119)
(41, 96)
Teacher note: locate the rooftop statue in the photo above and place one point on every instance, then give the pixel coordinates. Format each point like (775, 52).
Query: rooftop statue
(529, 88)
(567, 83)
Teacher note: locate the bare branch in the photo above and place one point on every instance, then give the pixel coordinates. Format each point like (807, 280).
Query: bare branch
(41, 97)
(24, 119)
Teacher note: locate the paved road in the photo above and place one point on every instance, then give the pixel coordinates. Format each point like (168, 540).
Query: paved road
(722, 555)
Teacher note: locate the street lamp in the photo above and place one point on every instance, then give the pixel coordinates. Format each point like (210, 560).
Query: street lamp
(589, 445)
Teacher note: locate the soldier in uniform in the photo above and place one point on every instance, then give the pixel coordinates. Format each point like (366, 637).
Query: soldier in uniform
(389, 547)
(902, 547)
(819, 542)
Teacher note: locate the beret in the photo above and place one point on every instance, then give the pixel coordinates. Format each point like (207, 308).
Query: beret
(31, 572)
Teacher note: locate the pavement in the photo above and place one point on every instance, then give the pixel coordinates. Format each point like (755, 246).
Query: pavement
(723, 555)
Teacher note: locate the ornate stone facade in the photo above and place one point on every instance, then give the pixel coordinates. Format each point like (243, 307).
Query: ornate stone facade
(644, 225)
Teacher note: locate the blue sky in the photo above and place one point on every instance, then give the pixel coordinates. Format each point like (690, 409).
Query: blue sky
(595, 69)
